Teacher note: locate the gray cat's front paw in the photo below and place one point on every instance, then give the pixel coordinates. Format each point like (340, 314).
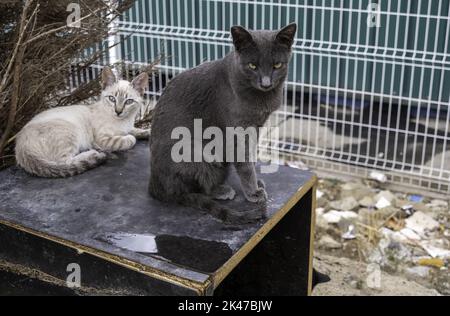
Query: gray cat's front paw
(224, 192)
(259, 196)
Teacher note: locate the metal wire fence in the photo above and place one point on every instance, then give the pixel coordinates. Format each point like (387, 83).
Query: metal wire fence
(369, 82)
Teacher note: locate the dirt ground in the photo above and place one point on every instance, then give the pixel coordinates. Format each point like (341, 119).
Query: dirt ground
(373, 241)
(352, 278)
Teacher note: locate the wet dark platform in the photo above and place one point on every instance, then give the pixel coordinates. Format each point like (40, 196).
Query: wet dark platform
(127, 243)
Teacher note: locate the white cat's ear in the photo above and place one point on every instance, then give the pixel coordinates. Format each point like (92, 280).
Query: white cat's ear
(108, 78)
(286, 35)
(241, 38)
(140, 83)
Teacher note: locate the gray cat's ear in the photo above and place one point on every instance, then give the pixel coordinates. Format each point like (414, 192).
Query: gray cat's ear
(286, 35)
(140, 83)
(108, 78)
(241, 38)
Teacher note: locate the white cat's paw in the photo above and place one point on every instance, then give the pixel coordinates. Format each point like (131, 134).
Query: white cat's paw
(142, 134)
(128, 142)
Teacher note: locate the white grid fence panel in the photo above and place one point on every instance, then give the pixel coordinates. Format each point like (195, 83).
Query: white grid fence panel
(358, 95)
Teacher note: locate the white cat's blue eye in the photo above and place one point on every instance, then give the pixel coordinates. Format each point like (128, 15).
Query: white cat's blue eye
(129, 102)
(112, 99)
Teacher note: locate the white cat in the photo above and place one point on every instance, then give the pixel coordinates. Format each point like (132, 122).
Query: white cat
(66, 141)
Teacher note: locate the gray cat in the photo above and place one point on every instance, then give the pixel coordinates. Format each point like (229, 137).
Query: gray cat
(240, 90)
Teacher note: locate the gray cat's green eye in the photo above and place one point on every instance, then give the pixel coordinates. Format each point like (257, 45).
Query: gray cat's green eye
(112, 99)
(278, 65)
(129, 102)
(252, 66)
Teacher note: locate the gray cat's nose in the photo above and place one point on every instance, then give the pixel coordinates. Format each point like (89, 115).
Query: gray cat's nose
(266, 82)
(118, 112)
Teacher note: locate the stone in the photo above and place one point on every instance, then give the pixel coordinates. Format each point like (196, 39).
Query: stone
(382, 203)
(335, 217)
(421, 223)
(439, 203)
(390, 254)
(346, 204)
(438, 206)
(418, 272)
(356, 190)
(378, 176)
(367, 202)
(328, 242)
(388, 195)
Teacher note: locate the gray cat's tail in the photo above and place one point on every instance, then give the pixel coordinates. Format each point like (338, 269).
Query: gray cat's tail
(219, 210)
(56, 169)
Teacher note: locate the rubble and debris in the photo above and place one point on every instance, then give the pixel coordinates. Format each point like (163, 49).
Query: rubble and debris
(328, 242)
(319, 194)
(346, 204)
(350, 234)
(335, 217)
(434, 250)
(367, 202)
(421, 223)
(378, 176)
(403, 233)
(410, 234)
(382, 203)
(408, 209)
(387, 195)
(421, 272)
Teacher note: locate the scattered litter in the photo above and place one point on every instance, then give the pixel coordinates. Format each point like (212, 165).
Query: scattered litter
(431, 262)
(378, 176)
(350, 234)
(382, 203)
(421, 223)
(410, 234)
(319, 194)
(435, 251)
(396, 231)
(415, 198)
(408, 209)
